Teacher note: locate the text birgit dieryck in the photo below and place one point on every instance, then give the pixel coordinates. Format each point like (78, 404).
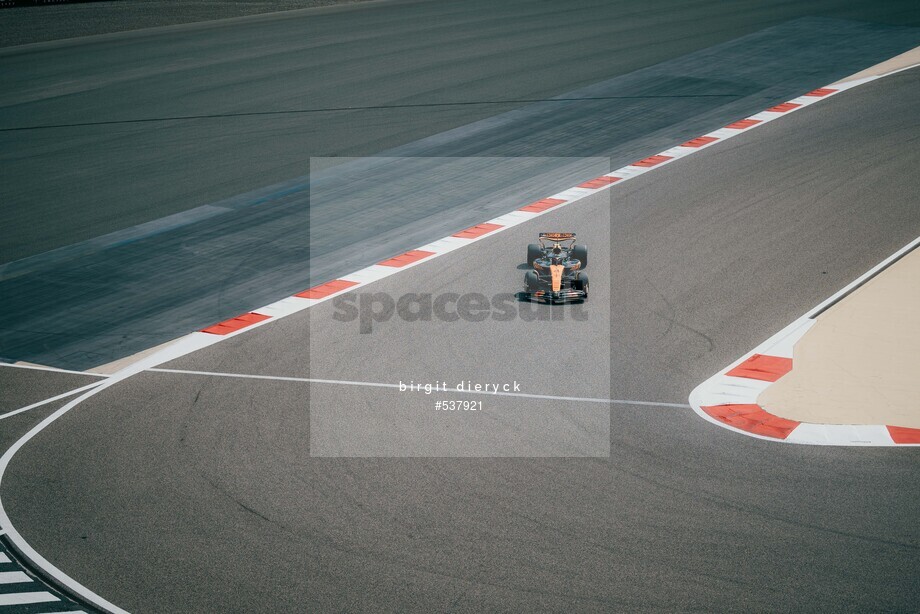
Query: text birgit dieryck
(465, 386)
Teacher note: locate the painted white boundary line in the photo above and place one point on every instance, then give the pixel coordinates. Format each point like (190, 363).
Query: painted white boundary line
(722, 389)
(311, 380)
(10, 599)
(52, 369)
(198, 340)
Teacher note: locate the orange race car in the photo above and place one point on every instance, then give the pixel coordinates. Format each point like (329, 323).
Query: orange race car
(558, 269)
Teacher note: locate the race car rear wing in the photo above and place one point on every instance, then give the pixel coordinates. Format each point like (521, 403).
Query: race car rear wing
(557, 236)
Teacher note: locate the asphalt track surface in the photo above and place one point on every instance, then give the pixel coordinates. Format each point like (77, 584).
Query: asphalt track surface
(58, 21)
(205, 133)
(25, 387)
(186, 492)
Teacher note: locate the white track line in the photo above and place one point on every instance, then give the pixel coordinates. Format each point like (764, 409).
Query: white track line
(14, 577)
(63, 395)
(52, 369)
(312, 380)
(26, 598)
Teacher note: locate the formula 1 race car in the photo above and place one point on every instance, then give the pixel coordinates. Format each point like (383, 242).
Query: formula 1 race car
(558, 269)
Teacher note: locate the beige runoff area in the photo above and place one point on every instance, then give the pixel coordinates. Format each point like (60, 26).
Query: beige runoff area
(117, 365)
(114, 366)
(908, 58)
(860, 362)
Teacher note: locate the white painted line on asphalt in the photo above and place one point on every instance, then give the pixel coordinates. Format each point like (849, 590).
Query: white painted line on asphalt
(53, 369)
(63, 395)
(26, 598)
(312, 380)
(13, 577)
(279, 378)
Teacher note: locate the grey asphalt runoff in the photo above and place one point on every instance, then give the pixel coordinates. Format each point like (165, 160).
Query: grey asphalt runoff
(172, 492)
(155, 182)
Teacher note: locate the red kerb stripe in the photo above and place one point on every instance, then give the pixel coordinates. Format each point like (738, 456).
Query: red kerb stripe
(407, 258)
(763, 367)
(234, 324)
(821, 91)
(700, 141)
(652, 160)
(752, 418)
(782, 108)
(902, 434)
(599, 182)
(324, 290)
(542, 205)
(477, 231)
(741, 124)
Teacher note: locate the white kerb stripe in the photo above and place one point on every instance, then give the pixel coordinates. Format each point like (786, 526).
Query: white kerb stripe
(13, 577)
(26, 598)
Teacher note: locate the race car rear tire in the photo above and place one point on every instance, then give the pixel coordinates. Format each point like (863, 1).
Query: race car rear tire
(531, 281)
(581, 284)
(580, 253)
(533, 252)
